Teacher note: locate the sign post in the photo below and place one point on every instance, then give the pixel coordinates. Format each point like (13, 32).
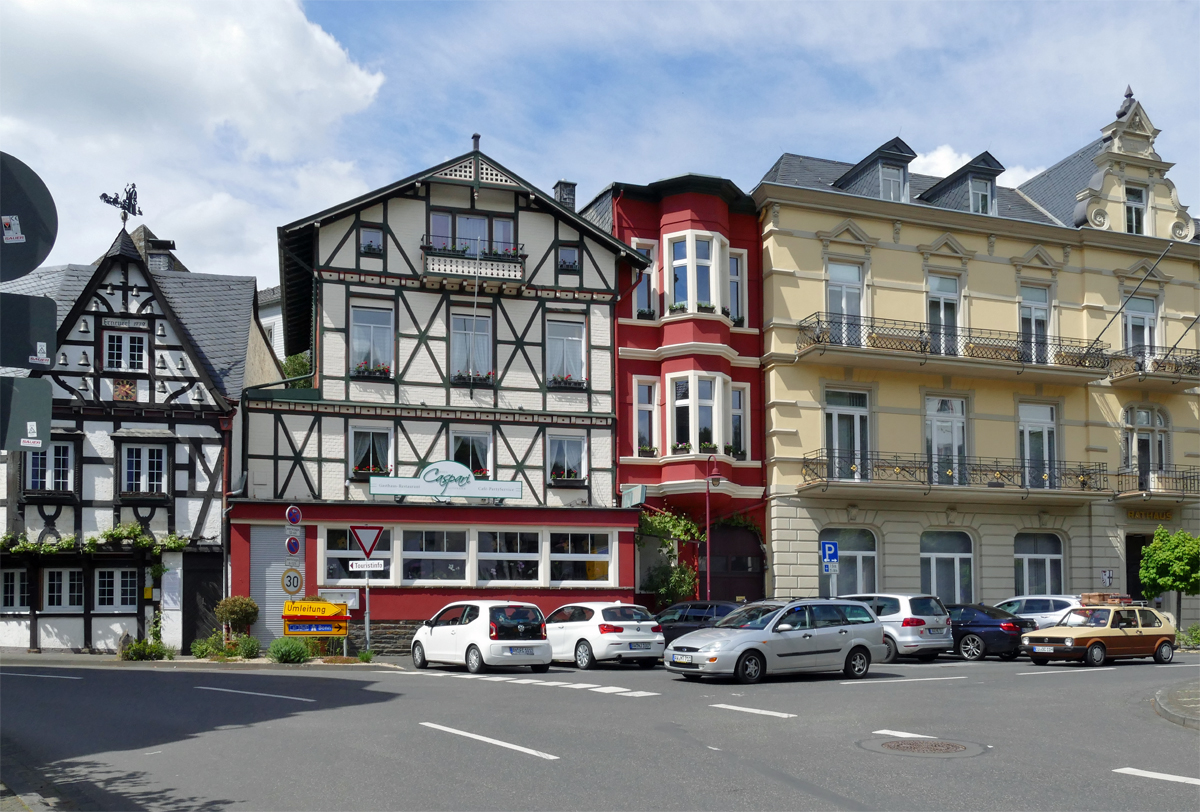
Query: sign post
(367, 537)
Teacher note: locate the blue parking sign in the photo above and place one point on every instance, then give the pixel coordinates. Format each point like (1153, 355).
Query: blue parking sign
(829, 552)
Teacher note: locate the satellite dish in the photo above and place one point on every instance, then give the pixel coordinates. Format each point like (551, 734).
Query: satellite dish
(30, 219)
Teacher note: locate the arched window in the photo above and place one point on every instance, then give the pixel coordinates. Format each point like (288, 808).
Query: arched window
(1038, 564)
(947, 565)
(856, 562)
(1146, 447)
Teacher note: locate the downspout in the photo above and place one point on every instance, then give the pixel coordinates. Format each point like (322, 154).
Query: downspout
(226, 527)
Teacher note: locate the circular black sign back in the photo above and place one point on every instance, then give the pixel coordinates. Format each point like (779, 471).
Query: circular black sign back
(30, 219)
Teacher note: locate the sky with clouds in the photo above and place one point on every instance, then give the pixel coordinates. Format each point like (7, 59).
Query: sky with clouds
(236, 117)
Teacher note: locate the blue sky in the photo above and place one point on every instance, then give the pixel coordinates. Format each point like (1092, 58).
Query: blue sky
(234, 118)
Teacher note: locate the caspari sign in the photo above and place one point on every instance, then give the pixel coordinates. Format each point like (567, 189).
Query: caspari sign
(445, 479)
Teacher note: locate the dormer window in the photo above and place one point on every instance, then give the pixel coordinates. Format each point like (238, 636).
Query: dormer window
(1135, 210)
(891, 183)
(981, 196)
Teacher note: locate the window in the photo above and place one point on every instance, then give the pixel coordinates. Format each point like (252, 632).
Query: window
(472, 450)
(734, 304)
(125, 351)
(341, 549)
(145, 469)
(568, 258)
(981, 196)
(471, 346)
(1135, 210)
(1146, 445)
(370, 341)
(1149, 619)
(116, 590)
(579, 557)
(943, 315)
(564, 352)
(1037, 560)
(856, 562)
(1036, 437)
(845, 304)
(472, 233)
(946, 440)
(645, 411)
(370, 241)
(271, 336)
(891, 183)
(679, 271)
(683, 409)
(946, 565)
(440, 233)
(704, 272)
(1035, 324)
(704, 413)
(566, 457)
(643, 298)
(1139, 322)
(372, 451)
(847, 434)
(503, 237)
(435, 555)
(64, 589)
(468, 234)
(508, 555)
(737, 421)
(14, 595)
(51, 469)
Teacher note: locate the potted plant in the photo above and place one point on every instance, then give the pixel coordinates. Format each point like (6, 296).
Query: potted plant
(645, 314)
(469, 378)
(677, 307)
(567, 478)
(681, 448)
(647, 451)
(480, 473)
(365, 369)
(567, 382)
(706, 307)
(707, 448)
(372, 249)
(362, 473)
(735, 452)
(737, 321)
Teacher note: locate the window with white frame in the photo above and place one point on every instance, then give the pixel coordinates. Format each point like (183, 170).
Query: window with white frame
(856, 562)
(145, 469)
(1038, 564)
(844, 297)
(643, 291)
(981, 196)
(946, 440)
(1146, 446)
(891, 183)
(735, 444)
(341, 548)
(645, 411)
(509, 555)
(1139, 320)
(736, 278)
(1135, 210)
(434, 555)
(564, 353)
(699, 413)
(847, 434)
(116, 590)
(371, 341)
(51, 469)
(947, 565)
(565, 458)
(370, 450)
(370, 241)
(679, 276)
(681, 389)
(14, 591)
(125, 351)
(568, 258)
(472, 449)
(704, 291)
(705, 401)
(579, 557)
(471, 345)
(64, 589)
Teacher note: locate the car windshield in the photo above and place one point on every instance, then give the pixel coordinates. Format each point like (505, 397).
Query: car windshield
(515, 614)
(749, 617)
(927, 607)
(628, 614)
(1086, 617)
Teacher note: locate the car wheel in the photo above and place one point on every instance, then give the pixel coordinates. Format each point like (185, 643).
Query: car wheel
(972, 647)
(418, 656)
(475, 663)
(890, 655)
(750, 668)
(540, 668)
(1164, 653)
(858, 663)
(1095, 655)
(647, 663)
(928, 656)
(1010, 655)
(584, 658)
(1038, 660)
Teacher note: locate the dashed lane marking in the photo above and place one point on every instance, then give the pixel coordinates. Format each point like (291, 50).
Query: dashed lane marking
(1073, 671)
(253, 693)
(582, 685)
(43, 676)
(496, 742)
(1180, 779)
(1178, 665)
(901, 734)
(903, 679)
(467, 676)
(609, 689)
(640, 693)
(756, 711)
(527, 682)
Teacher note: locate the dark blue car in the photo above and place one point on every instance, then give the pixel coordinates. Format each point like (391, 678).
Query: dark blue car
(982, 630)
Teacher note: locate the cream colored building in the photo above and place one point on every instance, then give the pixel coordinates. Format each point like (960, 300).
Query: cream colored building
(945, 394)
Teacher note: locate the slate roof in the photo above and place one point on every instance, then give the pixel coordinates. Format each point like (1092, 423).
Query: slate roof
(62, 283)
(1055, 188)
(268, 296)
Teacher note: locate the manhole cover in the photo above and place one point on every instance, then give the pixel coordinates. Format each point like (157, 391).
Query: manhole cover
(924, 746)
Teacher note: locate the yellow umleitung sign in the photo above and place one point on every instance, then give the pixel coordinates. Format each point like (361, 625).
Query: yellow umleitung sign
(313, 609)
(1149, 515)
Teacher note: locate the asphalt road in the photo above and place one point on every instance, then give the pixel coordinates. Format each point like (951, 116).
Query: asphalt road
(189, 738)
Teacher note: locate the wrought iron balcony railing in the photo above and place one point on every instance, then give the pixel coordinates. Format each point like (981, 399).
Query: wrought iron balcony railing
(490, 259)
(1150, 360)
(1182, 479)
(826, 465)
(838, 330)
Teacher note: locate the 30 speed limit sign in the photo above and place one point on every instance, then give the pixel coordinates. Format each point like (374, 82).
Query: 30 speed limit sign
(292, 581)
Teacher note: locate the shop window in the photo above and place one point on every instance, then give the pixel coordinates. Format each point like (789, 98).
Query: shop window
(856, 562)
(116, 590)
(435, 555)
(509, 555)
(1038, 564)
(14, 591)
(145, 469)
(947, 565)
(51, 469)
(341, 549)
(579, 557)
(64, 589)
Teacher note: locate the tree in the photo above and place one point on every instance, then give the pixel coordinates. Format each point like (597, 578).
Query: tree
(1171, 563)
(671, 581)
(295, 366)
(239, 612)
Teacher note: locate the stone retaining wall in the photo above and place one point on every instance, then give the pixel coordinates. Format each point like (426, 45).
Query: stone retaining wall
(387, 636)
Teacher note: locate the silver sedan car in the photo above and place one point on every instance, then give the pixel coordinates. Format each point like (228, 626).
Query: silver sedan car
(778, 637)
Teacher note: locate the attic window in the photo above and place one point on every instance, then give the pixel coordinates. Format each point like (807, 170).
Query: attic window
(981, 196)
(1135, 210)
(891, 183)
(159, 262)
(371, 242)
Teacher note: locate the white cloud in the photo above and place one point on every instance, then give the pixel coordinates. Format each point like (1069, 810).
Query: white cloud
(944, 159)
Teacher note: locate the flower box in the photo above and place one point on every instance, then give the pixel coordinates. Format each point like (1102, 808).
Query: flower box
(647, 451)
(570, 267)
(364, 474)
(646, 315)
(681, 448)
(469, 379)
(706, 307)
(567, 382)
(371, 250)
(480, 473)
(736, 453)
(383, 372)
(708, 448)
(567, 481)
(678, 307)
(503, 255)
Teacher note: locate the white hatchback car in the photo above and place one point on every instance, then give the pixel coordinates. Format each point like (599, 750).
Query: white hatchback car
(482, 634)
(590, 632)
(1045, 610)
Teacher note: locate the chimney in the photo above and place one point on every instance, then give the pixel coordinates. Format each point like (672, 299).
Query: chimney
(564, 193)
(475, 142)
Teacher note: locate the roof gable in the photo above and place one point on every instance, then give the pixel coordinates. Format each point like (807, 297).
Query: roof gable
(982, 165)
(894, 151)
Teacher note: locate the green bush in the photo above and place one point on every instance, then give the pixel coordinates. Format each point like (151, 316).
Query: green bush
(210, 646)
(323, 646)
(366, 656)
(239, 612)
(1189, 636)
(671, 584)
(288, 650)
(248, 647)
(148, 650)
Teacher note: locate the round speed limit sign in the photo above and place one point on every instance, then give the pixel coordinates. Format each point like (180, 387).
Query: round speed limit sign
(292, 581)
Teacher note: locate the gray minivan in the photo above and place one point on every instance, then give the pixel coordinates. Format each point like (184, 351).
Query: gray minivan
(913, 625)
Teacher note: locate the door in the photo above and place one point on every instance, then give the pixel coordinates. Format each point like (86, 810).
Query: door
(946, 440)
(1133, 565)
(792, 649)
(943, 315)
(462, 634)
(845, 304)
(443, 635)
(846, 434)
(201, 594)
(269, 560)
(1139, 318)
(556, 631)
(1152, 628)
(1035, 324)
(737, 565)
(1037, 441)
(831, 637)
(1123, 639)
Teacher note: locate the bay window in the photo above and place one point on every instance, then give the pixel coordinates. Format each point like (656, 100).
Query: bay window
(704, 414)
(683, 413)
(736, 444)
(679, 275)
(645, 411)
(145, 469)
(704, 297)
(733, 304)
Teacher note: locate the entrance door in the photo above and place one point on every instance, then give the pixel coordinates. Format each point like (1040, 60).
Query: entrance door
(201, 594)
(1037, 445)
(946, 440)
(846, 434)
(943, 315)
(1035, 324)
(737, 560)
(1133, 564)
(1139, 328)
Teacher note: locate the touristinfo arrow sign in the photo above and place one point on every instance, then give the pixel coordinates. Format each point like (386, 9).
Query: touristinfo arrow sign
(444, 479)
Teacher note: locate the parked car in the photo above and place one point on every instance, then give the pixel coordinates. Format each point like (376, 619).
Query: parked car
(481, 634)
(687, 616)
(774, 637)
(1097, 634)
(591, 632)
(913, 625)
(1046, 610)
(982, 630)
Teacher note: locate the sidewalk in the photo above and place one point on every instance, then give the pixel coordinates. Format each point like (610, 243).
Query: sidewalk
(17, 657)
(1180, 703)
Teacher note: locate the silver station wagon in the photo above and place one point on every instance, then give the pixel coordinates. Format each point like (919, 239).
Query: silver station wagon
(780, 637)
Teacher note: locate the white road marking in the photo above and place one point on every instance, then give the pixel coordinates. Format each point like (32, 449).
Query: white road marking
(901, 734)
(152, 753)
(581, 685)
(43, 676)
(527, 682)
(903, 679)
(755, 710)
(609, 689)
(710, 747)
(554, 683)
(467, 676)
(496, 742)
(1182, 779)
(640, 693)
(498, 679)
(1073, 671)
(1178, 665)
(253, 693)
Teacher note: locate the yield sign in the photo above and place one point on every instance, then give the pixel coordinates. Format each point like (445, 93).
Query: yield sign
(367, 537)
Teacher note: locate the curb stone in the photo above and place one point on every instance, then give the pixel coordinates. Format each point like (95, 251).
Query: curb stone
(1166, 700)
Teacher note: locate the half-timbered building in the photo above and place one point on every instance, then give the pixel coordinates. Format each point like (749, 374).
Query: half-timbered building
(150, 365)
(461, 327)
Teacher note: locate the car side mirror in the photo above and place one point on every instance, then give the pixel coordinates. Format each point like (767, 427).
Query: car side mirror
(784, 627)
(428, 623)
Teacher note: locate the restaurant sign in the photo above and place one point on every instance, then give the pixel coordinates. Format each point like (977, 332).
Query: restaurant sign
(445, 479)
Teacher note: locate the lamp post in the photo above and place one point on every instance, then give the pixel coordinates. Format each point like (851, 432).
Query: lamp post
(709, 479)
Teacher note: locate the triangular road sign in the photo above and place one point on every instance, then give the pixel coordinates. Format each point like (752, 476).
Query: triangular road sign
(367, 537)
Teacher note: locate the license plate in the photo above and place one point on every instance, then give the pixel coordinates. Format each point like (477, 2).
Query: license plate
(1045, 649)
(639, 646)
(525, 651)
(681, 658)
(936, 631)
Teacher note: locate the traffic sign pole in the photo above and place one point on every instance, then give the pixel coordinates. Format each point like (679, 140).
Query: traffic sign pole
(367, 615)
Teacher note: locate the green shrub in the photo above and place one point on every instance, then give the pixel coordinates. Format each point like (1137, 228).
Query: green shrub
(323, 646)
(207, 647)
(366, 656)
(671, 584)
(288, 650)
(248, 647)
(148, 650)
(239, 612)
(1189, 636)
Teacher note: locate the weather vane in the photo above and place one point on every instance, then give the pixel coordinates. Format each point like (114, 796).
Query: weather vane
(128, 205)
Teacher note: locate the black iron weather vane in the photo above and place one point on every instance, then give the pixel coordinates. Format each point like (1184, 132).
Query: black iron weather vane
(128, 205)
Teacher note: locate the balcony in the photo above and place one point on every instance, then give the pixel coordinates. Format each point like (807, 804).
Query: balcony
(470, 259)
(841, 340)
(1164, 369)
(881, 475)
(1158, 486)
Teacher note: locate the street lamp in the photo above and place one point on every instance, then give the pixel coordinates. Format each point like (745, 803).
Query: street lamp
(709, 480)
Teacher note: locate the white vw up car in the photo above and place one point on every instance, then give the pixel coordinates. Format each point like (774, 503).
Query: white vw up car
(480, 634)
